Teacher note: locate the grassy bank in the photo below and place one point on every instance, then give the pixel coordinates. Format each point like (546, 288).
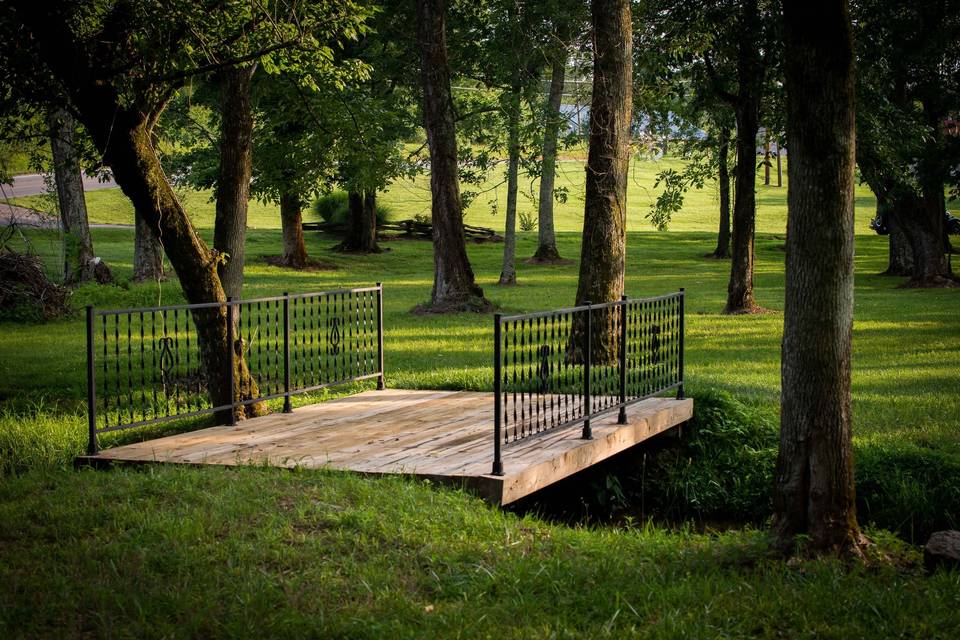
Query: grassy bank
(250, 551)
(268, 553)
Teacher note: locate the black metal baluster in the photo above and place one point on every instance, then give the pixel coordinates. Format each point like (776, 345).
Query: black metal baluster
(587, 348)
(106, 392)
(143, 384)
(130, 391)
(497, 401)
(286, 353)
(116, 365)
(91, 388)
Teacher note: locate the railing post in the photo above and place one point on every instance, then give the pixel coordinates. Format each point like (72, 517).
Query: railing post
(230, 362)
(286, 353)
(381, 381)
(587, 357)
(680, 393)
(92, 447)
(622, 418)
(497, 397)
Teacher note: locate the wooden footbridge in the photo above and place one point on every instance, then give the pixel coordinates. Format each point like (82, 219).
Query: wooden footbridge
(572, 387)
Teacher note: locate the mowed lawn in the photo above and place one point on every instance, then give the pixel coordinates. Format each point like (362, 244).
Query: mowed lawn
(906, 342)
(185, 552)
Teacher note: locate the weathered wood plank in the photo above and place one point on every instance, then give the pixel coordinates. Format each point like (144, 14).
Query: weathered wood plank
(442, 435)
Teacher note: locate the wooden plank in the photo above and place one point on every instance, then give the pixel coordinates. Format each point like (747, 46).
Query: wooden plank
(442, 435)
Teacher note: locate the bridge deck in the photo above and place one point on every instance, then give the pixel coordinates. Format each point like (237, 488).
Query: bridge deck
(443, 435)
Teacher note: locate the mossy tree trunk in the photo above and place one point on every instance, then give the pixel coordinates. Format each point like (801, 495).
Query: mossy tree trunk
(147, 253)
(546, 234)
(233, 180)
(79, 261)
(454, 285)
(814, 488)
(291, 222)
(124, 136)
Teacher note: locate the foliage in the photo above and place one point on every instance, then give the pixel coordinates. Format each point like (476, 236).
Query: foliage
(334, 207)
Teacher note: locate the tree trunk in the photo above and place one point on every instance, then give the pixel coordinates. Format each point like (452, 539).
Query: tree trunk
(123, 134)
(604, 244)
(740, 289)
(900, 255)
(924, 228)
(147, 253)
(779, 167)
(233, 180)
(80, 265)
(723, 178)
(546, 236)
(508, 271)
(291, 220)
(750, 74)
(362, 234)
(814, 492)
(766, 158)
(454, 287)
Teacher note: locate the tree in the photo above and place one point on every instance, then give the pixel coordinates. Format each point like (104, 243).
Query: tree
(603, 249)
(80, 264)
(723, 183)
(903, 151)
(119, 65)
(147, 253)
(546, 236)
(814, 491)
(454, 286)
(233, 180)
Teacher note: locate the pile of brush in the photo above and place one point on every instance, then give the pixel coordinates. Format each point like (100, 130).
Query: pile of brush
(25, 291)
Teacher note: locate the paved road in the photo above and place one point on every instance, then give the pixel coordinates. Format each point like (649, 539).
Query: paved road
(31, 184)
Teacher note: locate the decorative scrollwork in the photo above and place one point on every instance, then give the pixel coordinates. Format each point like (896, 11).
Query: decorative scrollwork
(543, 370)
(655, 344)
(166, 358)
(333, 337)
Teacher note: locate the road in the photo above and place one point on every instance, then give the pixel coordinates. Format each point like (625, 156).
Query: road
(30, 184)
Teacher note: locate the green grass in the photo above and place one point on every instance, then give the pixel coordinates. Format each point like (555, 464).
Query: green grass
(270, 553)
(256, 551)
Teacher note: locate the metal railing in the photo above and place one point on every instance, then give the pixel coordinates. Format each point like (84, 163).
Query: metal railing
(146, 365)
(555, 369)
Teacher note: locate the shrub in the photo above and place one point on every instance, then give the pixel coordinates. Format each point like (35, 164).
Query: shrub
(335, 208)
(722, 469)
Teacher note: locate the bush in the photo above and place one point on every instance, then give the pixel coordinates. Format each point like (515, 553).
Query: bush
(907, 489)
(722, 469)
(335, 208)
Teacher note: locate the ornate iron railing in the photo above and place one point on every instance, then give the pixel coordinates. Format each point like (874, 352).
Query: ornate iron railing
(144, 365)
(559, 368)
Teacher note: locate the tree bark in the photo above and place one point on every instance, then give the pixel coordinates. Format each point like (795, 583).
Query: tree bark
(900, 255)
(233, 180)
(546, 236)
(147, 253)
(766, 158)
(80, 264)
(814, 491)
(291, 221)
(779, 167)
(362, 234)
(508, 270)
(604, 244)
(723, 178)
(454, 286)
(123, 134)
(924, 228)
